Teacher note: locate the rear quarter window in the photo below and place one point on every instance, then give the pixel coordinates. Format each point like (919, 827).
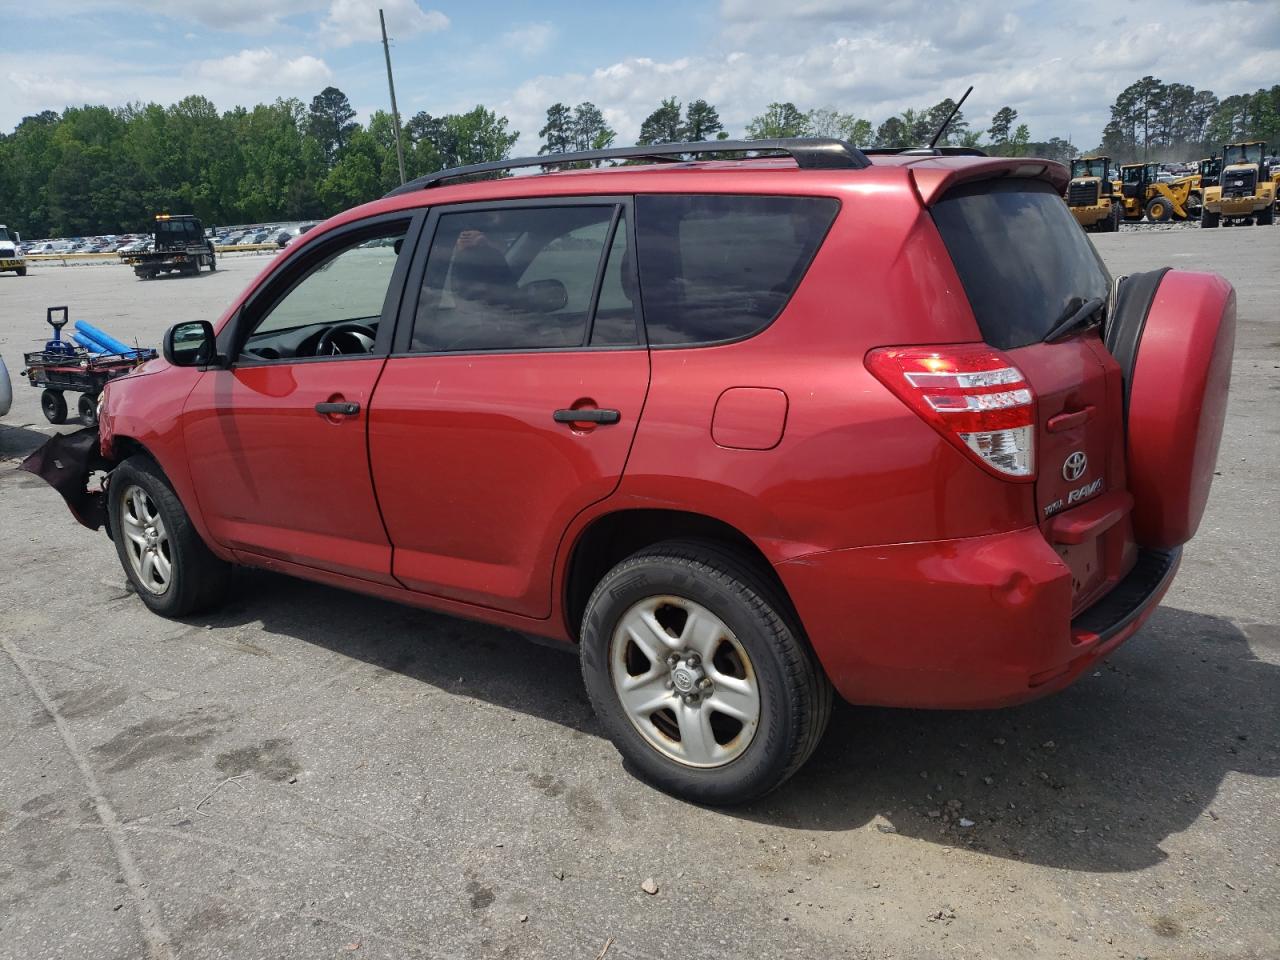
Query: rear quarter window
(1023, 260)
(717, 268)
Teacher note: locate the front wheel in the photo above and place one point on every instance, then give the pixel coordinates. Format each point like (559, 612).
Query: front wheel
(170, 567)
(1159, 210)
(698, 676)
(54, 405)
(87, 407)
(22, 271)
(1209, 219)
(1266, 217)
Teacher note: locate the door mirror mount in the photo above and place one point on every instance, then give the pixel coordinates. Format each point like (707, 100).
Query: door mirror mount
(191, 344)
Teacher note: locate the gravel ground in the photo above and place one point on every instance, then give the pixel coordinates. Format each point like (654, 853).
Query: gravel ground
(310, 773)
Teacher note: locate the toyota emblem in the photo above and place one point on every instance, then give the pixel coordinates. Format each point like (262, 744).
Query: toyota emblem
(1074, 467)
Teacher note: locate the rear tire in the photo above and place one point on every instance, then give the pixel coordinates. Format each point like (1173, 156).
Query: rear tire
(1159, 210)
(1209, 220)
(169, 565)
(87, 406)
(732, 636)
(54, 405)
(1266, 217)
(22, 271)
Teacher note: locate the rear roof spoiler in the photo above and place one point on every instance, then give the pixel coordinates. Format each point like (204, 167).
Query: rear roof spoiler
(933, 179)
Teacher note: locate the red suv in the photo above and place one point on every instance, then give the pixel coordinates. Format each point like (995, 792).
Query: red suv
(744, 430)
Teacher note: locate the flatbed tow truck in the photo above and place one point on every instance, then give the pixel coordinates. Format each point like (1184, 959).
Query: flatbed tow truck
(178, 246)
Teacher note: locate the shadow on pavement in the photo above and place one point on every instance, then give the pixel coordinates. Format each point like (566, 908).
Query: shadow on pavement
(1094, 778)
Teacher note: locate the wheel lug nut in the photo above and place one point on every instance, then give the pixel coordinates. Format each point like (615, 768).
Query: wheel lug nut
(670, 684)
(693, 660)
(705, 683)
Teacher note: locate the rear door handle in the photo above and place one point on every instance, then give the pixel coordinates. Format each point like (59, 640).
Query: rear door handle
(587, 415)
(344, 408)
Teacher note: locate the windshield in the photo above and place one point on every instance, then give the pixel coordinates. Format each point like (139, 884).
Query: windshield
(4, 235)
(1131, 174)
(1023, 260)
(1242, 153)
(1091, 167)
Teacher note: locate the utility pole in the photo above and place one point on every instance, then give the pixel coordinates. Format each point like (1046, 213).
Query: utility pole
(391, 85)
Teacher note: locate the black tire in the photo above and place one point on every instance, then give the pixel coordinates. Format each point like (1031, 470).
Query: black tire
(794, 693)
(1194, 204)
(1266, 217)
(54, 405)
(87, 406)
(22, 271)
(1159, 209)
(197, 579)
(213, 263)
(1209, 219)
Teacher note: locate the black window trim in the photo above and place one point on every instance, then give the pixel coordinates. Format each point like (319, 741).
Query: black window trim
(623, 207)
(822, 241)
(283, 281)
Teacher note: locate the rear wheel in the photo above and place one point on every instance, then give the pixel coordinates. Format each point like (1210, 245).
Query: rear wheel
(87, 406)
(162, 554)
(1266, 217)
(1159, 210)
(700, 680)
(1209, 219)
(54, 405)
(22, 271)
(213, 263)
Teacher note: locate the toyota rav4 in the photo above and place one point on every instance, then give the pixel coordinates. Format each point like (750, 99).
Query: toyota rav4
(746, 431)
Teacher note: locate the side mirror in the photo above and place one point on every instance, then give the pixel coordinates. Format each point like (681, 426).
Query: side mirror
(190, 344)
(546, 296)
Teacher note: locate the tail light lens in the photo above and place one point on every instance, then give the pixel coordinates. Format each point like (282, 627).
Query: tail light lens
(973, 395)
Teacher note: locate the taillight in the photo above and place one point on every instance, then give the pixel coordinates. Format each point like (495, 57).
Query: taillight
(971, 394)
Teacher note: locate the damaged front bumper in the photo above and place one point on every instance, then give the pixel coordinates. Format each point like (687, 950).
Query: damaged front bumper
(68, 463)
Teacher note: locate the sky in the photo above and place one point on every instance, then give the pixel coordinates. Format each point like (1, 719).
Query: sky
(1059, 64)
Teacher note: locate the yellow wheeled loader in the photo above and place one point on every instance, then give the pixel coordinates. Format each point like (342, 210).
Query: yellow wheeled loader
(1144, 194)
(1246, 193)
(1091, 195)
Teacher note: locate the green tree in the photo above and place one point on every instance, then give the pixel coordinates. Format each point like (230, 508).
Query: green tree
(778, 121)
(893, 133)
(937, 116)
(663, 125)
(331, 121)
(701, 122)
(1020, 140)
(588, 130)
(558, 133)
(829, 122)
(1002, 125)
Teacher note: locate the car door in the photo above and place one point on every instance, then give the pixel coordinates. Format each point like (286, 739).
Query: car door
(512, 396)
(277, 439)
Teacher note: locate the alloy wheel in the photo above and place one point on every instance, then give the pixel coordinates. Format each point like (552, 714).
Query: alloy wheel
(685, 681)
(147, 540)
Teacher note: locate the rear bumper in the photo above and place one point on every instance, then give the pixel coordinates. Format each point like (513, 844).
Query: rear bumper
(975, 623)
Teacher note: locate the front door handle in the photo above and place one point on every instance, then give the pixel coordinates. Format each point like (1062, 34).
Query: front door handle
(586, 415)
(344, 408)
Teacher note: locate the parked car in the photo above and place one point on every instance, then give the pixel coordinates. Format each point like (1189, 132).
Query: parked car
(747, 432)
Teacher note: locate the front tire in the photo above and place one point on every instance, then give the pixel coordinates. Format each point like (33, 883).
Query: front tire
(1209, 219)
(698, 674)
(1266, 217)
(169, 565)
(1159, 210)
(54, 405)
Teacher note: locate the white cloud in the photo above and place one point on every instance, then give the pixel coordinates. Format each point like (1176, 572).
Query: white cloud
(237, 16)
(264, 68)
(354, 21)
(1049, 62)
(530, 39)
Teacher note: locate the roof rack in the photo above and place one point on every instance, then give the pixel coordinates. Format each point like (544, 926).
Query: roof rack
(809, 153)
(925, 152)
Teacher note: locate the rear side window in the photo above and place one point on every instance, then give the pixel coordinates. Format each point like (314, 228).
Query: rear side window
(1024, 261)
(716, 268)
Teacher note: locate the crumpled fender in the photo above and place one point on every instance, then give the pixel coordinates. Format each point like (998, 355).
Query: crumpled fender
(65, 462)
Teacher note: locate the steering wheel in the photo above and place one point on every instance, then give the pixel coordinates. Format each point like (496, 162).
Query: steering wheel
(356, 338)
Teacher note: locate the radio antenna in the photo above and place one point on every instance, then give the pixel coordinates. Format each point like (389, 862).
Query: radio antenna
(947, 122)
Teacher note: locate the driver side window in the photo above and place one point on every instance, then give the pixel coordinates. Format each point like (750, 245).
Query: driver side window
(335, 305)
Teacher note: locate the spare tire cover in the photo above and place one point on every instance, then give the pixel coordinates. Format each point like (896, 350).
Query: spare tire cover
(1177, 402)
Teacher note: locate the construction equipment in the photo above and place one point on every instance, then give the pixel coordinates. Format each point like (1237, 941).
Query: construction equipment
(1092, 196)
(1246, 193)
(1144, 194)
